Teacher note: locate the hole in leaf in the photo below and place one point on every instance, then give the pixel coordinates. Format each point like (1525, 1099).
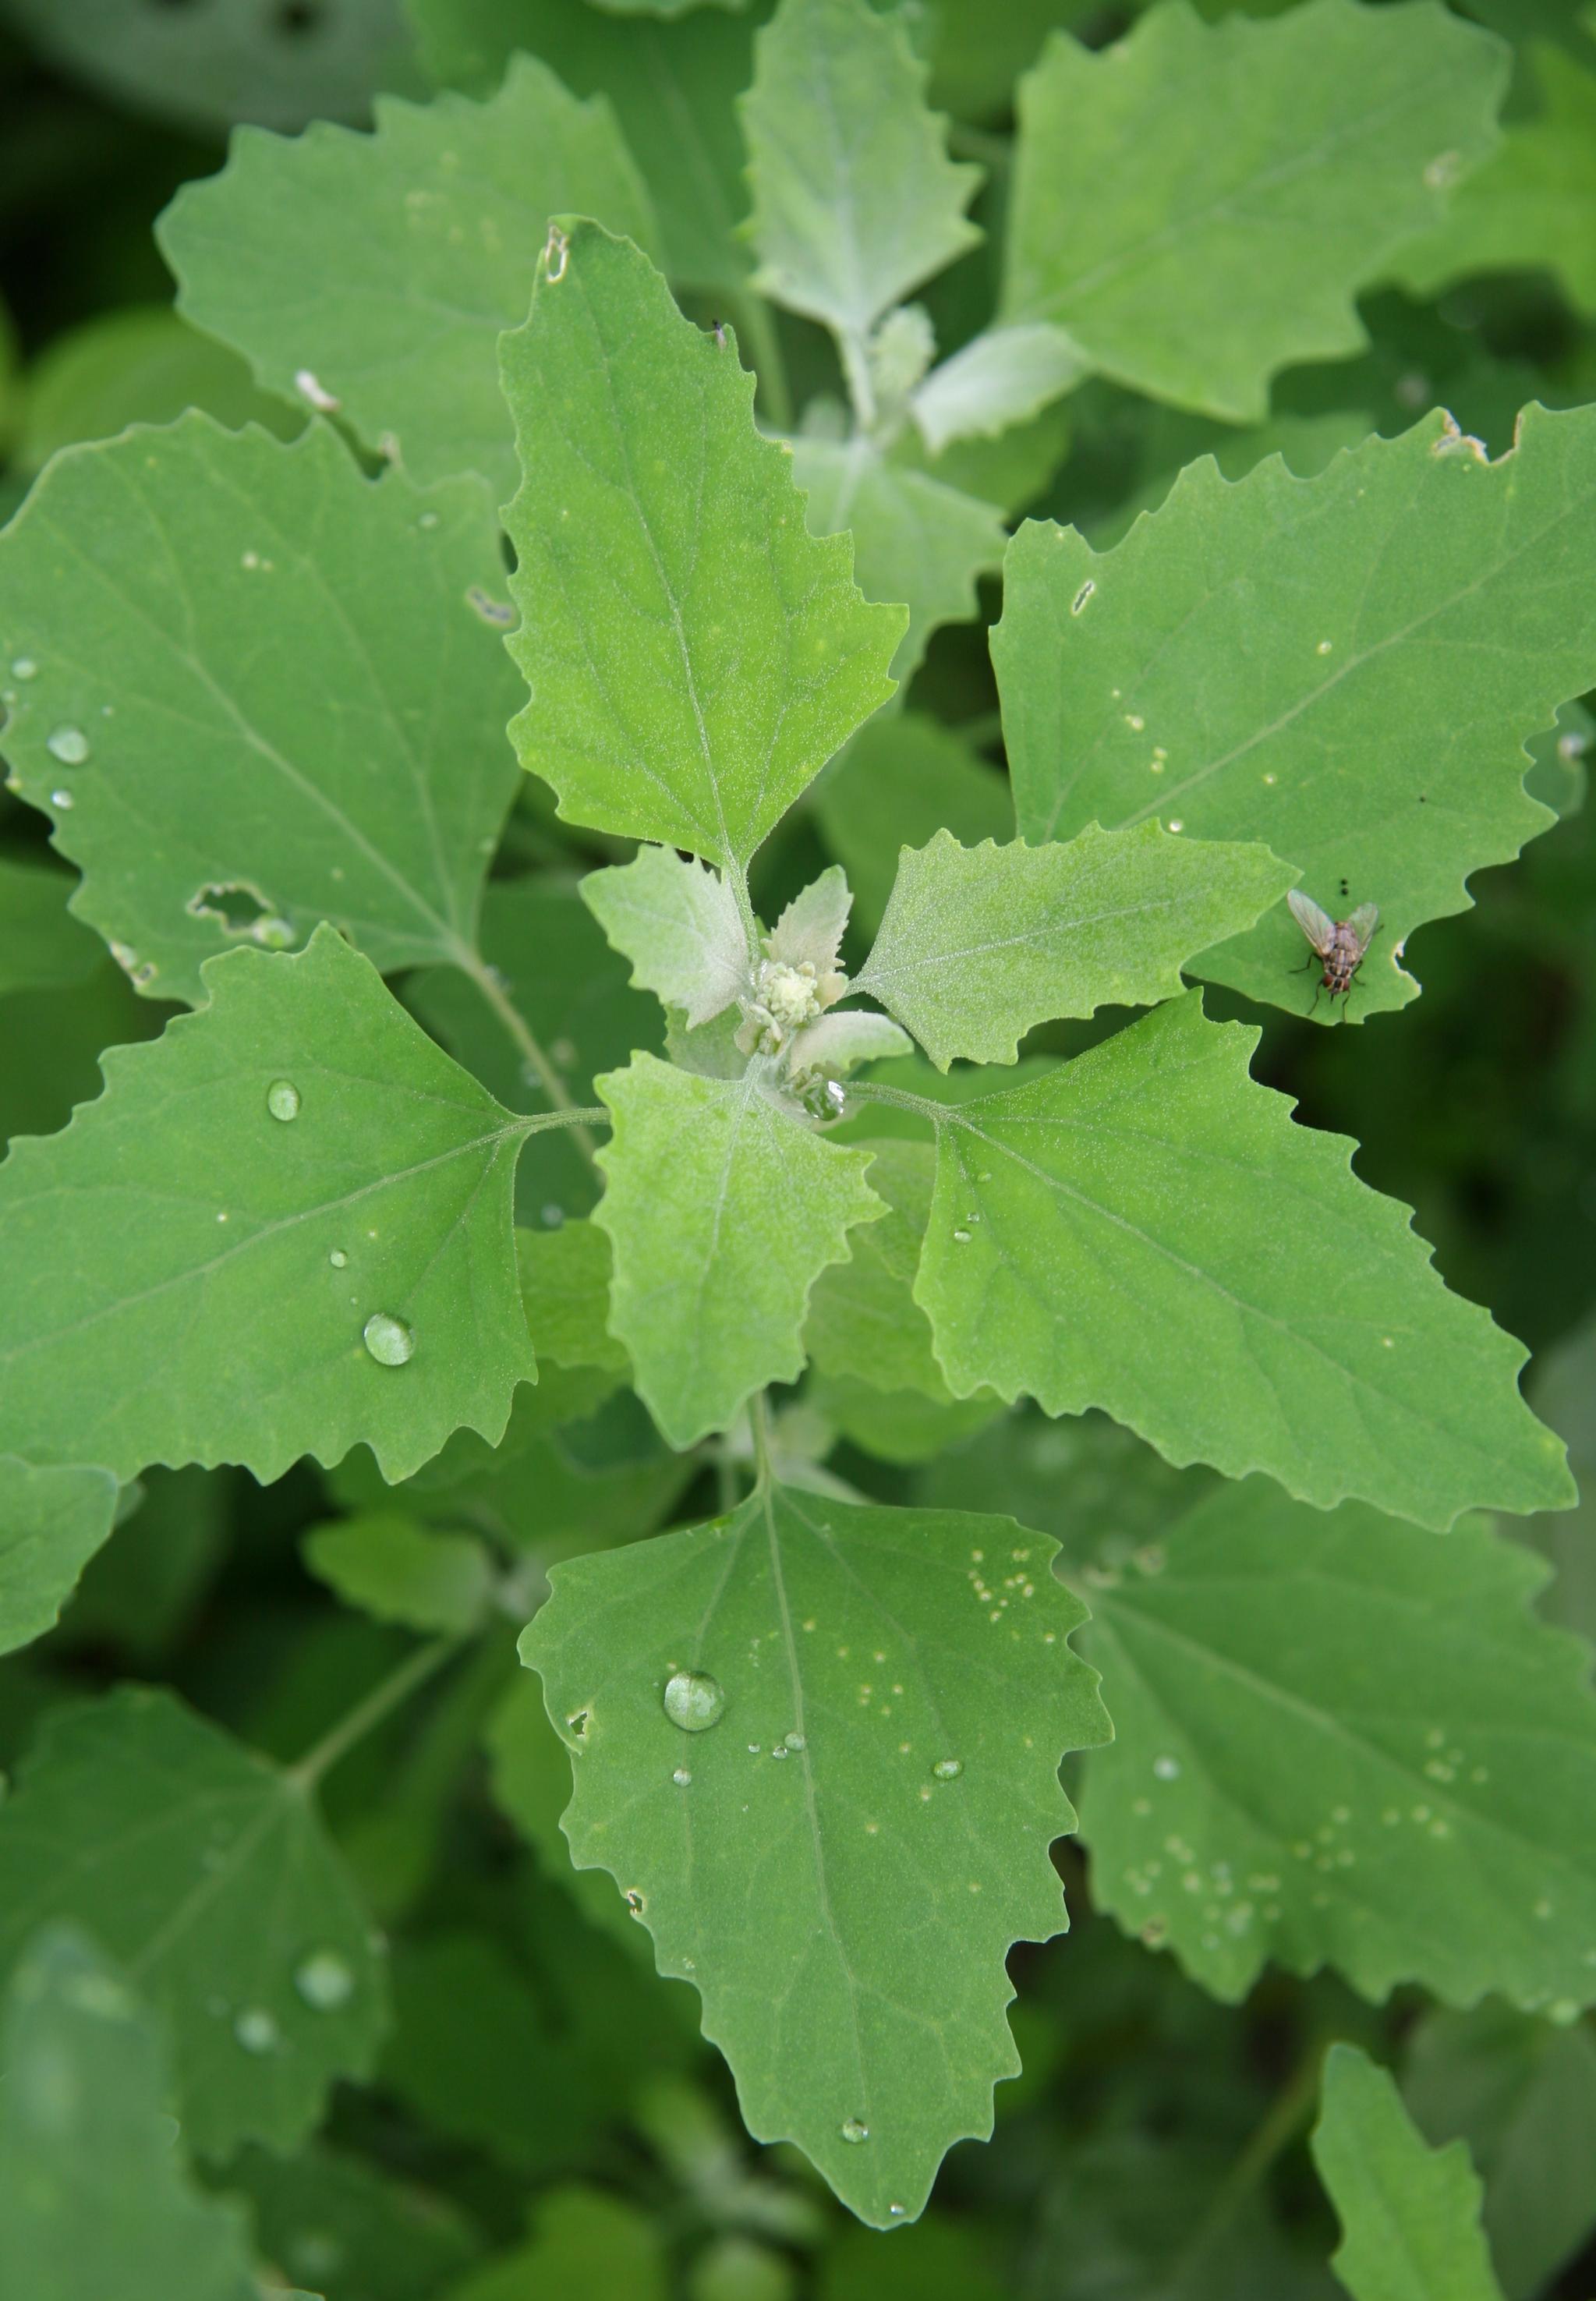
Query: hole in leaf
(236, 906)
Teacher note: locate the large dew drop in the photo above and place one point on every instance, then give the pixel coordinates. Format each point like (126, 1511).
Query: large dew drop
(70, 745)
(324, 1981)
(282, 1100)
(388, 1340)
(854, 2128)
(694, 1701)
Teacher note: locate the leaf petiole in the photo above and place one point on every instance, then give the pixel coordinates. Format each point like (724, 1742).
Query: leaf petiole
(371, 1710)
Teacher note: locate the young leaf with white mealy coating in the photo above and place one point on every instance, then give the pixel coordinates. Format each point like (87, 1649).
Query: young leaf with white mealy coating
(93, 2198)
(978, 944)
(678, 923)
(51, 1521)
(1192, 263)
(189, 773)
(694, 655)
(1346, 668)
(206, 1873)
(1144, 1229)
(1409, 2215)
(284, 1227)
(383, 268)
(895, 1691)
(854, 199)
(1322, 1724)
(722, 1209)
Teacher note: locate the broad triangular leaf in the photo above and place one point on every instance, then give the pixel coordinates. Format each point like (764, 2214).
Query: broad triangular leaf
(678, 923)
(895, 1695)
(1195, 206)
(1346, 667)
(238, 731)
(284, 1227)
(854, 199)
(694, 655)
(1324, 1729)
(93, 2197)
(722, 1207)
(376, 272)
(1410, 2215)
(206, 1873)
(1144, 1229)
(914, 539)
(978, 944)
(51, 1521)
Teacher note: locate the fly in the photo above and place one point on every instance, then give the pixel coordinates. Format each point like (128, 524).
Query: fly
(1339, 944)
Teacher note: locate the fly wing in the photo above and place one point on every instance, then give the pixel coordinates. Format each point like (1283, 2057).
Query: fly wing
(1318, 925)
(1363, 922)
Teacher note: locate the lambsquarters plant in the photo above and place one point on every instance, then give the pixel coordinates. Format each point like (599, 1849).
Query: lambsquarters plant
(263, 696)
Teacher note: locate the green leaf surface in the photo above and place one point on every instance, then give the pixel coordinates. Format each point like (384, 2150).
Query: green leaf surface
(722, 1207)
(854, 199)
(93, 2197)
(864, 1321)
(327, 2214)
(902, 779)
(377, 272)
(1001, 377)
(1410, 2215)
(398, 1571)
(852, 1969)
(915, 539)
(1346, 668)
(1343, 1741)
(41, 944)
(678, 923)
(1196, 205)
(250, 1192)
(1144, 1229)
(979, 944)
(51, 1522)
(585, 2241)
(139, 365)
(1533, 204)
(1521, 2093)
(237, 732)
(206, 1874)
(694, 655)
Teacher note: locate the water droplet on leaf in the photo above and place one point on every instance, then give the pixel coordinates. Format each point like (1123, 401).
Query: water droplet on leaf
(70, 745)
(62, 800)
(694, 1701)
(256, 2030)
(24, 667)
(949, 1770)
(388, 1340)
(324, 1981)
(337, 1257)
(854, 2128)
(282, 1100)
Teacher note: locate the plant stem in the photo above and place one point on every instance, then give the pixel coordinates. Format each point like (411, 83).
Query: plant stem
(1281, 2124)
(472, 964)
(370, 1711)
(760, 1428)
(758, 327)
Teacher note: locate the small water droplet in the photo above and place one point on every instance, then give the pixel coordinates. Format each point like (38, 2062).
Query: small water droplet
(1323, 648)
(324, 1981)
(282, 1100)
(388, 1340)
(256, 2030)
(779, 1750)
(854, 2128)
(70, 745)
(694, 1701)
(1167, 1769)
(794, 1741)
(553, 1217)
(64, 800)
(24, 667)
(949, 1770)
(681, 1776)
(337, 1257)
(896, 2211)
(961, 1238)
(1175, 823)
(272, 934)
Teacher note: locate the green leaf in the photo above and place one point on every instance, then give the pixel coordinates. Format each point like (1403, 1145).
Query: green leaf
(1522, 2095)
(139, 365)
(234, 727)
(377, 272)
(979, 944)
(854, 199)
(51, 1522)
(1323, 1729)
(1190, 248)
(93, 2197)
(1144, 1229)
(915, 538)
(695, 655)
(41, 943)
(252, 1190)
(864, 1321)
(206, 1874)
(722, 1207)
(565, 1281)
(1533, 204)
(398, 1571)
(1409, 2216)
(1002, 377)
(678, 923)
(853, 1974)
(585, 2241)
(1346, 668)
(902, 779)
(325, 2214)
